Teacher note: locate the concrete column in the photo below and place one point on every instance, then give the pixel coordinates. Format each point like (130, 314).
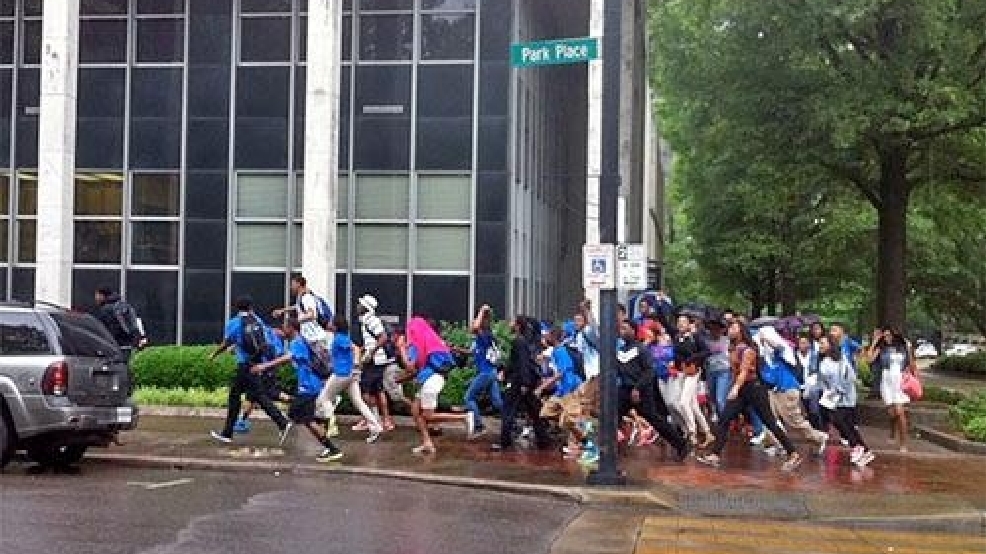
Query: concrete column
(56, 152)
(594, 139)
(321, 146)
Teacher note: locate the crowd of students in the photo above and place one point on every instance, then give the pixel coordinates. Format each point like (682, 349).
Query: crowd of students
(687, 379)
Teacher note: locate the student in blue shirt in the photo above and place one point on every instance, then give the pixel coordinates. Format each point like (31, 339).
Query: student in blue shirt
(487, 356)
(302, 412)
(268, 380)
(566, 402)
(344, 378)
(245, 333)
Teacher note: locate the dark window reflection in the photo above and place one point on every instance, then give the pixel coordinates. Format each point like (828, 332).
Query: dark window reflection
(97, 242)
(31, 42)
(154, 242)
(27, 233)
(7, 8)
(205, 195)
(6, 42)
(267, 289)
(208, 91)
(383, 85)
(154, 295)
(444, 143)
(262, 142)
(265, 6)
(382, 143)
(22, 284)
(207, 143)
(156, 92)
(155, 143)
(441, 297)
(389, 290)
(205, 244)
(262, 91)
(161, 7)
(103, 41)
(160, 40)
(448, 4)
(386, 37)
(445, 90)
(367, 5)
(28, 90)
(27, 141)
(32, 7)
(86, 281)
(448, 37)
(155, 194)
(102, 92)
(209, 37)
(205, 307)
(99, 142)
(103, 7)
(265, 39)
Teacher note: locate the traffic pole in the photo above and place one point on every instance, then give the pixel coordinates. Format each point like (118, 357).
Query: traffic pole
(608, 472)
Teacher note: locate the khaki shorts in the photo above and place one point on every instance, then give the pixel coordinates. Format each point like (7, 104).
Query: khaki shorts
(589, 391)
(568, 409)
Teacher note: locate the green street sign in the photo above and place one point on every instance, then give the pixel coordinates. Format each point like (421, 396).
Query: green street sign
(554, 52)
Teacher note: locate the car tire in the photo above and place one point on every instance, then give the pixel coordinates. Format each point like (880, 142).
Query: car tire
(54, 455)
(6, 439)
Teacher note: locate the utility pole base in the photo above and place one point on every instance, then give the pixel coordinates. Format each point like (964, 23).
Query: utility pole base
(612, 478)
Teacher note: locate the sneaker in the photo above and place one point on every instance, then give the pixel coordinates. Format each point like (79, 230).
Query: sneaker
(527, 432)
(242, 426)
(865, 459)
(220, 437)
(772, 450)
(329, 455)
(361, 425)
(470, 424)
(709, 460)
(479, 432)
(758, 439)
(284, 434)
(374, 435)
(590, 455)
(331, 428)
(423, 450)
(647, 437)
(792, 462)
(856, 454)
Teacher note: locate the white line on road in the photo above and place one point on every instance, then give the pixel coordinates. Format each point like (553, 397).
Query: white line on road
(166, 484)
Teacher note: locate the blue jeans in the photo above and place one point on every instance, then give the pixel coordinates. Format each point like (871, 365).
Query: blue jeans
(719, 383)
(483, 382)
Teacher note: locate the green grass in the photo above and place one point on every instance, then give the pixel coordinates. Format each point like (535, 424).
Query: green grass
(192, 397)
(970, 416)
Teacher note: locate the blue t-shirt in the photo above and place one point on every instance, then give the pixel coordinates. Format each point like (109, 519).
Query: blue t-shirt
(276, 343)
(569, 381)
(663, 355)
(480, 348)
(849, 350)
(308, 383)
(343, 357)
(778, 373)
(233, 334)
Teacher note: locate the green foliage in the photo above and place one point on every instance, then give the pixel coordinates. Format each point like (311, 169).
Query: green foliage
(970, 416)
(182, 367)
(864, 372)
(194, 397)
(970, 363)
(941, 396)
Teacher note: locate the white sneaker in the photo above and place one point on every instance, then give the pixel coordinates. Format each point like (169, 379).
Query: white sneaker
(856, 454)
(772, 450)
(374, 435)
(470, 424)
(757, 440)
(865, 459)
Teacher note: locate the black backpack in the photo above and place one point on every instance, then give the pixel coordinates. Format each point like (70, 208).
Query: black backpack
(254, 338)
(319, 361)
(578, 360)
(126, 318)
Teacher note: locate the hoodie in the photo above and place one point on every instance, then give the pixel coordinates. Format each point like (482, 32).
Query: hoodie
(635, 366)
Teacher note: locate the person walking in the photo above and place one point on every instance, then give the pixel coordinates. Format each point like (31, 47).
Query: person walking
(246, 332)
(521, 378)
(374, 361)
(838, 384)
(890, 352)
(344, 379)
(747, 391)
(487, 356)
(268, 379)
(121, 320)
(690, 353)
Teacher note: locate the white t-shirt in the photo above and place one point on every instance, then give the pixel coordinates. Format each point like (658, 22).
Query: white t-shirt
(372, 327)
(310, 329)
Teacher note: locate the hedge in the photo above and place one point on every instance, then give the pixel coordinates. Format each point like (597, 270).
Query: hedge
(970, 416)
(970, 363)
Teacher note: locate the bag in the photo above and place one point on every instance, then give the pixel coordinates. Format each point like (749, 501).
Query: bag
(320, 364)
(912, 386)
(493, 354)
(323, 313)
(442, 363)
(578, 360)
(254, 338)
(126, 318)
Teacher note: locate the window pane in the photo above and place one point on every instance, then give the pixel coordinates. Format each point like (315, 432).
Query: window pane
(103, 7)
(103, 41)
(102, 92)
(205, 244)
(4, 193)
(265, 6)
(7, 8)
(444, 143)
(98, 194)
(6, 42)
(448, 4)
(156, 194)
(367, 5)
(342, 197)
(265, 39)
(156, 92)
(22, 283)
(155, 143)
(444, 197)
(27, 193)
(31, 42)
(298, 252)
(381, 246)
(26, 240)
(262, 91)
(442, 297)
(205, 195)
(205, 307)
(262, 196)
(32, 7)
(382, 196)
(161, 6)
(386, 37)
(445, 90)
(443, 248)
(448, 37)
(86, 281)
(4, 228)
(21, 334)
(97, 242)
(154, 295)
(160, 40)
(261, 245)
(154, 242)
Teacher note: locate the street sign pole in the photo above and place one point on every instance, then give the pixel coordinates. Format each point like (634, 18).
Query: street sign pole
(609, 187)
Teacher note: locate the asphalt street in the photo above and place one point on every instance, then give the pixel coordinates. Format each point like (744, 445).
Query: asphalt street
(110, 510)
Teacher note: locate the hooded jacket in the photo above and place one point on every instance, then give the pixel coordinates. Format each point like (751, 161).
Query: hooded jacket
(635, 366)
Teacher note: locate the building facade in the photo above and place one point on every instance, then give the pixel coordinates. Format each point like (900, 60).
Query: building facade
(461, 180)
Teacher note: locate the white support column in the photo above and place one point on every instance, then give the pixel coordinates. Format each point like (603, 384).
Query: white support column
(56, 152)
(321, 146)
(594, 139)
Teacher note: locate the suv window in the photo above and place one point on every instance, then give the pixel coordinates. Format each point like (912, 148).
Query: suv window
(82, 335)
(21, 334)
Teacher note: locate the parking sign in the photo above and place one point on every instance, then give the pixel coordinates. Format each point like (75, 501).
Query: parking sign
(599, 266)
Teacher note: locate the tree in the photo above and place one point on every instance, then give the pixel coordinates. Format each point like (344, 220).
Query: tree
(863, 91)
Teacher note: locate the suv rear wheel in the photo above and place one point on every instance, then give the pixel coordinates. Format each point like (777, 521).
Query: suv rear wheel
(6, 438)
(54, 455)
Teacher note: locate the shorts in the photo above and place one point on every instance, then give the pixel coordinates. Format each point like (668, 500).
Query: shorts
(589, 397)
(371, 381)
(268, 386)
(568, 409)
(429, 391)
(302, 410)
(891, 389)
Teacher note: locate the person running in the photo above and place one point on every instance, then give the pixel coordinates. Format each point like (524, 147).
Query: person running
(428, 358)
(300, 355)
(268, 380)
(838, 383)
(690, 353)
(373, 362)
(565, 402)
(344, 379)
(309, 308)
(806, 355)
(747, 391)
(717, 373)
(890, 353)
(245, 331)
(487, 356)
(586, 339)
(521, 377)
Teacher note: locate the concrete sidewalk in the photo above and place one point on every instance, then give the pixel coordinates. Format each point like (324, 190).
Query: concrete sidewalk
(929, 488)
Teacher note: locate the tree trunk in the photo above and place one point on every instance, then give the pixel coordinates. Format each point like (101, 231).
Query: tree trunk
(756, 303)
(891, 275)
(772, 294)
(789, 294)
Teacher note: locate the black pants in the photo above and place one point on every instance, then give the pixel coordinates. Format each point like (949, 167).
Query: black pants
(521, 400)
(647, 410)
(844, 421)
(753, 394)
(247, 382)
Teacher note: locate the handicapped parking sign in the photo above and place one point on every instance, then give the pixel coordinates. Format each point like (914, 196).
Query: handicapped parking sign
(598, 266)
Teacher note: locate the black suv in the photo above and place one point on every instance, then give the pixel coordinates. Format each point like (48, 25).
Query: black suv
(64, 384)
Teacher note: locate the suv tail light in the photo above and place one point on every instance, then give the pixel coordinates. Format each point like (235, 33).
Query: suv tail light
(55, 382)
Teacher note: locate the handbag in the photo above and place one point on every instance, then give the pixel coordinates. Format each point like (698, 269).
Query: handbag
(911, 386)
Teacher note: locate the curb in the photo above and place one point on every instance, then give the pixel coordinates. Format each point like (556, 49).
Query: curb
(966, 523)
(951, 442)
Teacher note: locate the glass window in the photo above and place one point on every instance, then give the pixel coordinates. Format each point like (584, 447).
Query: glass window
(27, 193)
(451, 5)
(442, 248)
(382, 196)
(381, 247)
(383, 85)
(160, 40)
(263, 196)
(21, 334)
(342, 197)
(155, 143)
(261, 143)
(85, 281)
(4, 229)
(265, 6)
(265, 39)
(83, 335)
(445, 90)
(97, 242)
(22, 283)
(208, 143)
(448, 37)
(103, 41)
(156, 92)
(380, 5)
(6, 42)
(32, 7)
(205, 244)
(442, 297)
(103, 7)
(102, 92)
(154, 294)
(156, 194)
(161, 7)
(447, 197)
(7, 8)
(444, 143)
(298, 239)
(209, 36)
(28, 89)
(261, 244)
(262, 91)
(208, 91)
(26, 240)
(4, 193)
(382, 143)
(154, 242)
(386, 37)
(99, 142)
(98, 194)
(205, 306)
(31, 42)
(205, 195)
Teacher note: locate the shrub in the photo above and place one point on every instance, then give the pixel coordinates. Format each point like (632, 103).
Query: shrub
(182, 367)
(970, 363)
(970, 416)
(942, 396)
(975, 429)
(864, 372)
(196, 397)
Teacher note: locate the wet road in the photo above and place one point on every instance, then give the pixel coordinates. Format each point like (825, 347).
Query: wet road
(110, 510)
